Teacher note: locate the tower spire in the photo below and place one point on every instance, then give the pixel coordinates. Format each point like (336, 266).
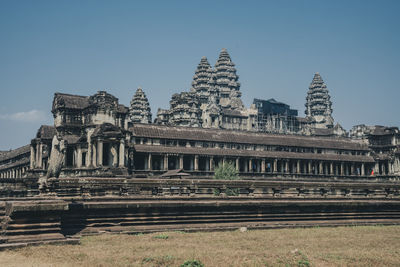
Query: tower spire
(139, 110)
(226, 78)
(319, 105)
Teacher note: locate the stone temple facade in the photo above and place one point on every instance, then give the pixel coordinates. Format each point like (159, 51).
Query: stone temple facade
(205, 126)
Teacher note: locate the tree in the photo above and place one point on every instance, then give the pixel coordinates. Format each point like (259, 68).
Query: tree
(226, 171)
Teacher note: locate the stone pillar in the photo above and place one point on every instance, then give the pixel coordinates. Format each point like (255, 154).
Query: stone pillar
(32, 161)
(196, 162)
(310, 168)
(376, 168)
(352, 169)
(250, 165)
(181, 162)
(94, 155)
(100, 153)
(121, 160)
(263, 165)
(89, 155)
(341, 168)
(286, 166)
(211, 163)
(321, 168)
(149, 161)
(331, 169)
(40, 156)
(165, 162)
(298, 167)
(79, 157)
(275, 168)
(237, 164)
(362, 169)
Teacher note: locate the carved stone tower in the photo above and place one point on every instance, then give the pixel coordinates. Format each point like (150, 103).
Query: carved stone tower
(200, 81)
(318, 105)
(226, 79)
(139, 111)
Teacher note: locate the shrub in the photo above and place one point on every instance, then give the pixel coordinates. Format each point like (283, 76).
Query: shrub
(226, 171)
(161, 236)
(192, 263)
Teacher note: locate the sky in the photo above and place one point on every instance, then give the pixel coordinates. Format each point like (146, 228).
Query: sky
(81, 47)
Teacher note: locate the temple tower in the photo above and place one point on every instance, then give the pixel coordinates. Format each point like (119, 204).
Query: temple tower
(139, 111)
(318, 105)
(200, 81)
(226, 80)
(185, 110)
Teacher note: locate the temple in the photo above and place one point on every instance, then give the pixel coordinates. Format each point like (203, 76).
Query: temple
(204, 127)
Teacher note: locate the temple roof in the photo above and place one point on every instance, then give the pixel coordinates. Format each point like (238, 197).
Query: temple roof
(14, 153)
(46, 132)
(243, 137)
(70, 101)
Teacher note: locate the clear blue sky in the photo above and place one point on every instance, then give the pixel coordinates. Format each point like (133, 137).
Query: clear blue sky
(81, 47)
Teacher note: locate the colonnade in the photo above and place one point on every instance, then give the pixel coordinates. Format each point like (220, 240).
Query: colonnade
(256, 165)
(17, 172)
(92, 156)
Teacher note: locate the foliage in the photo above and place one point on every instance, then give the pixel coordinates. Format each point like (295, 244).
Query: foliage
(192, 263)
(226, 171)
(161, 236)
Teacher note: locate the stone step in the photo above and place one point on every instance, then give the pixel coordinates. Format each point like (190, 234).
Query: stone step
(66, 241)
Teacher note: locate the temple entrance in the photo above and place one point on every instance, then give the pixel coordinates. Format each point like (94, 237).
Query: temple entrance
(188, 163)
(107, 161)
(70, 157)
(138, 161)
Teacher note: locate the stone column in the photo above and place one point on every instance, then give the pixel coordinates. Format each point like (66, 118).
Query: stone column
(331, 169)
(263, 165)
(181, 162)
(32, 161)
(376, 168)
(40, 156)
(196, 162)
(237, 164)
(298, 166)
(165, 162)
(341, 168)
(351, 168)
(250, 165)
(310, 168)
(122, 153)
(275, 169)
(79, 157)
(94, 155)
(320, 169)
(149, 161)
(286, 166)
(100, 153)
(362, 169)
(89, 155)
(211, 163)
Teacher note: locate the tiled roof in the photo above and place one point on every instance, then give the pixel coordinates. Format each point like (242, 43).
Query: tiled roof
(15, 152)
(249, 153)
(46, 132)
(242, 137)
(23, 161)
(72, 101)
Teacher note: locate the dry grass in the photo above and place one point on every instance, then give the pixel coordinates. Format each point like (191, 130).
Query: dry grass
(342, 246)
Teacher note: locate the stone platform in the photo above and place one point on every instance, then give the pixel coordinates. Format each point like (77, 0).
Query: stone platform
(74, 207)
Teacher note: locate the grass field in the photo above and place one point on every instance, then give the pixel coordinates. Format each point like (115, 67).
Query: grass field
(342, 246)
